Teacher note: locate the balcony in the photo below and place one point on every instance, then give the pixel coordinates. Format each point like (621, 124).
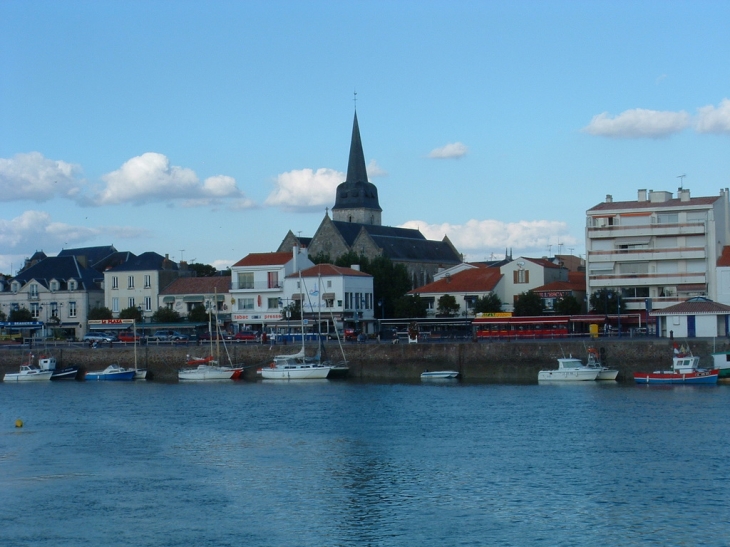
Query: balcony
(686, 228)
(642, 280)
(256, 286)
(647, 255)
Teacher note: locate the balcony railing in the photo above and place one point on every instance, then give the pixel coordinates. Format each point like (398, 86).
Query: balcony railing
(256, 286)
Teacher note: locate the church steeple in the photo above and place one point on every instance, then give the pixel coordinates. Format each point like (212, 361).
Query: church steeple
(357, 198)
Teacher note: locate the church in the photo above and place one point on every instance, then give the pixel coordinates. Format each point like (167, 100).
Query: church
(356, 226)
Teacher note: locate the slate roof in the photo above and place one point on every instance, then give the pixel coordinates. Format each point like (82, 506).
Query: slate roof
(675, 202)
(329, 270)
(93, 254)
(474, 280)
(146, 261)
(62, 269)
(265, 259)
(694, 306)
(356, 191)
(418, 250)
(350, 231)
(198, 285)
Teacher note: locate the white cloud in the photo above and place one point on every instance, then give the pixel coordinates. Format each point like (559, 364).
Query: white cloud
(33, 177)
(452, 150)
(37, 230)
(638, 123)
(150, 177)
(305, 189)
(374, 170)
(479, 238)
(714, 120)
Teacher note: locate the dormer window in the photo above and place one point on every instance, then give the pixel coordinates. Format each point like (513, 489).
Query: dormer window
(72, 285)
(54, 286)
(15, 286)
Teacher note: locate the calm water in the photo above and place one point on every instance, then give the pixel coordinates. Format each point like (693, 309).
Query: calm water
(341, 463)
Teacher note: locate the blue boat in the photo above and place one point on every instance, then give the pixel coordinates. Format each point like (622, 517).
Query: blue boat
(112, 373)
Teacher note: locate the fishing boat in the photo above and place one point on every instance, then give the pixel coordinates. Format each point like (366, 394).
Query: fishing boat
(685, 370)
(594, 361)
(569, 369)
(439, 374)
(28, 373)
(46, 362)
(112, 373)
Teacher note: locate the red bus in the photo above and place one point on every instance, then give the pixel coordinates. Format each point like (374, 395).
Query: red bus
(505, 328)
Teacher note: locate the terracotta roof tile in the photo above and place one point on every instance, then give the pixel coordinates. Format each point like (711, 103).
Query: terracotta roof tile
(695, 306)
(265, 259)
(473, 280)
(329, 270)
(199, 285)
(724, 260)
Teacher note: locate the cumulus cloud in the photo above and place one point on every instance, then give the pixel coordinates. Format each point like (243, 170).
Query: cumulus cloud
(33, 177)
(714, 120)
(305, 189)
(374, 170)
(638, 123)
(150, 177)
(453, 150)
(36, 229)
(478, 238)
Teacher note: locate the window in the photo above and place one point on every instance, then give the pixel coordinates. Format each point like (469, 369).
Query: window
(72, 309)
(115, 282)
(15, 286)
(130, 302)
(130, 282)
(245, 280)
(273, 278)
(245, 303)
(147, 281)
(115, 305)
(521, 276)
(147, 303)
(72, 287)
(667, 218)
(34, 290)
(54, 286)
(329, 283)
(54, 310)
(34, 310)
(273, 303)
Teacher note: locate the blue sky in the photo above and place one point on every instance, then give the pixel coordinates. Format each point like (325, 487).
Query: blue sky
(207, 130)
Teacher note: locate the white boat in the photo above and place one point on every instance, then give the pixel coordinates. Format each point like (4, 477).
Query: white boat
(294, 367)
(209, 370)
(594, 361)
(569, 370)
(438, 374)
(29, 373)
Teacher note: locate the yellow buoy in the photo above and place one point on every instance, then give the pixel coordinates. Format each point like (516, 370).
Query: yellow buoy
(18, 423)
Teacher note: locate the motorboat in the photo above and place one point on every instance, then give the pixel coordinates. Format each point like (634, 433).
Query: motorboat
(112, 373)
(439, 374)
(46, 362)
(721, 361)
(594, 361)
(685, 370)
(570, 369)
(28, 373)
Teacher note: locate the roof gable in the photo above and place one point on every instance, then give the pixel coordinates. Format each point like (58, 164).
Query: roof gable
(473, 280)
(265, 259)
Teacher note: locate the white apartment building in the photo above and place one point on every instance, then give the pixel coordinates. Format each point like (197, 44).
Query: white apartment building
(658, 249)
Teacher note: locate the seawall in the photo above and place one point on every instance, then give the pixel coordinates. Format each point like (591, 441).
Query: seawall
(485, 361)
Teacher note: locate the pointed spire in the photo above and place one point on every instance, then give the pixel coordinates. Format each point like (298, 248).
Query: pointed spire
(356, 171)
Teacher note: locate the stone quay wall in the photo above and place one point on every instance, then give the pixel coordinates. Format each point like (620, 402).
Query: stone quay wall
(484, 361)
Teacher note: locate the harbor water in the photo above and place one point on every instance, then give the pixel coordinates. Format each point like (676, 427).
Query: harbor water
(324, 463)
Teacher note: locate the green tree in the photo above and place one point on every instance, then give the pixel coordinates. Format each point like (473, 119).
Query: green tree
(529, 303)
(3, 317)
(489, 303)
(447, 306)
(20, 315)
(198, 314)
(131, 313)
(321, 258)
(568, 305)
(100, 313)
(202, 270)
(410, 305)
(294, 311)
(166, 315)
(351, 258)
(605, 301)
(390, 282)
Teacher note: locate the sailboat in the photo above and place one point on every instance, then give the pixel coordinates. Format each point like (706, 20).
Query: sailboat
(139, 373)
(296, 366)
(207, 367)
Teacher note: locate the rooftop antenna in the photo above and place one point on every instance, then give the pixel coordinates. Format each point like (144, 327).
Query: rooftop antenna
(571, 250)
(354, 98)
(550, 249)
(560, 248)
(181, 254)
(681, 181)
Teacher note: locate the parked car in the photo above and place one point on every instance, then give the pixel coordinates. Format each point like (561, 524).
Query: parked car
(99, 336)
(127, 336)
(167, 336)
(351, 334)
(245, 336)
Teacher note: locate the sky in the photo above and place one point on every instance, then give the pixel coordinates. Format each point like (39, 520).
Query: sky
(207, 130)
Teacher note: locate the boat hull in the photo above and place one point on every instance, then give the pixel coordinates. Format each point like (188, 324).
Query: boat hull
(206, 372)
(607, 374)
(567, 375)
(68, 373)
(295, 372)
(42, 376)
(439, 375)
(669, 377)
(121, 376)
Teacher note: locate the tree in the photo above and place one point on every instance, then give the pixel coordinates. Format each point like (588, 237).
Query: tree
(410, 305)
(568, 305)
(489, 303)
(350, 258)
(131, 313)
(321, 258)
(198, 314)
(166, 315)
(202, 270)
(3, 317)
(529, 303)
(447, 306)
(606, 301)
(390, 282)
(294, 310)
(100, 313)
(20, 315)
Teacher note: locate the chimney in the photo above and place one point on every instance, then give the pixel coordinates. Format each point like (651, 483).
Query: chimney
(355, 267)
(295, 253)
(609, 198)
(642, 195)
(683, 194)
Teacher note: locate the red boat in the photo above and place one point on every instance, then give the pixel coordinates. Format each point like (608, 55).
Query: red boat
(685, 370)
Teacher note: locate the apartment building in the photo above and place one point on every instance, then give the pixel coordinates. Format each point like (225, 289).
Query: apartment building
(657, 250)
